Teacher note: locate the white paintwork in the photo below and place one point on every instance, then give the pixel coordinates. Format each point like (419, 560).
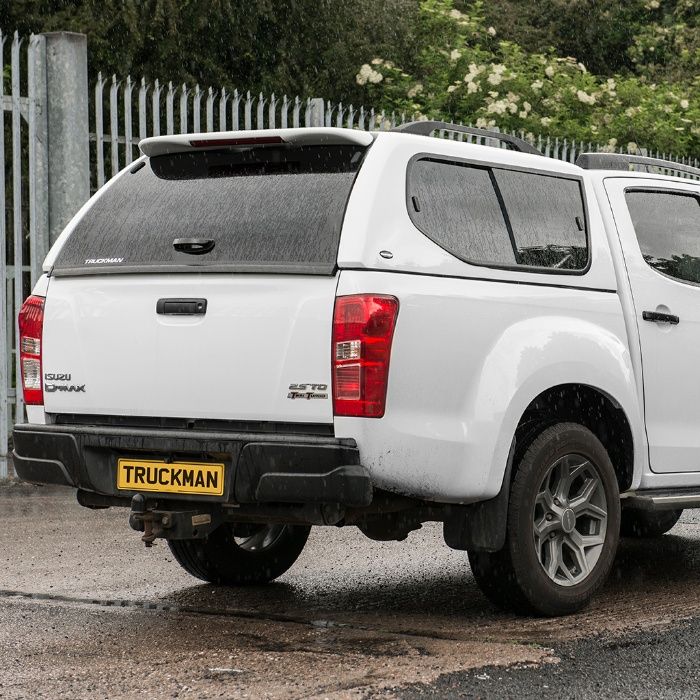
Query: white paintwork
(467, 359)
(36, 415)
(41, 286)
(473, 346)
(670, 364)
(258, 336)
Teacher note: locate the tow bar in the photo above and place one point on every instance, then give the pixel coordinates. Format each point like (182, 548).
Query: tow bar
(171, 525)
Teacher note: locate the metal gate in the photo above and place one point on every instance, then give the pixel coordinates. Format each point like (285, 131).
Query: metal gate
(23, 203)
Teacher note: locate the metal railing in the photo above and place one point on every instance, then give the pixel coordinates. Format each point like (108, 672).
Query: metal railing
(24, 207)
(127, 110)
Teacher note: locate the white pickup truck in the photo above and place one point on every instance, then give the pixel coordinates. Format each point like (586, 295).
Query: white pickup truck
(245, 334)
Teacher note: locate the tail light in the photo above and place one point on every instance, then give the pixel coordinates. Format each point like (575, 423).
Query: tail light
(31, 322)
(363, 328)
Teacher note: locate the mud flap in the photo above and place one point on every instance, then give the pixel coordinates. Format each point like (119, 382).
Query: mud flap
(481, 527)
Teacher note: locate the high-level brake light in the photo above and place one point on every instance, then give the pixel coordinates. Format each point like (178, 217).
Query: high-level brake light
(245, 141)
(31, 322)
(363, 329)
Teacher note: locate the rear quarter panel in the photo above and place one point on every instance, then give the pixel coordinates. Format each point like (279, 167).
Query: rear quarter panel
(468, 357)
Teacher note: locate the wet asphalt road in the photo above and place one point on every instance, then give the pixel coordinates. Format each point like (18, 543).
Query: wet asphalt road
(87, 611)
(653, 664)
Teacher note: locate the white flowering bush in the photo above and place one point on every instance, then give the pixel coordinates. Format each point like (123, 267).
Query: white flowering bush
(464, 72)
(368, 74)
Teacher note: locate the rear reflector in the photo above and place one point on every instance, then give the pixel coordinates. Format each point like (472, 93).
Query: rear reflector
(31, 322)
(363, 328)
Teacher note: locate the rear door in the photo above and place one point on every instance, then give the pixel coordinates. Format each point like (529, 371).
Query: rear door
(201, 285)
(659, 226)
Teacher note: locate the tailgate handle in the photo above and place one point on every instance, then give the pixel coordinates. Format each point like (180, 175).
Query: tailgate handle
(181, 307)
(194, 246)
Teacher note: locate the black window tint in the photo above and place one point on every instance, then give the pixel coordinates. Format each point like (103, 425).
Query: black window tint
(458, 208)
(267, 208)
(668, 230)
(498, 217)
(547, 219)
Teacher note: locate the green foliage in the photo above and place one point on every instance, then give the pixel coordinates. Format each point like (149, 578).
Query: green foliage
(658, 39)
(305, 47)
(669, 45)
(598, 33)
(505, 62)
(465, 72)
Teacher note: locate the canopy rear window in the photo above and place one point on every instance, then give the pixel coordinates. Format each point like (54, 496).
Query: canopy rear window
(266, 209)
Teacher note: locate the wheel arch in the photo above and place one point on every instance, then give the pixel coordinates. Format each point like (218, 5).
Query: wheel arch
(589, 406)
(482, 526)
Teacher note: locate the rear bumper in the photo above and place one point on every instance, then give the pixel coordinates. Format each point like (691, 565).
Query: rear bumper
(259, 468)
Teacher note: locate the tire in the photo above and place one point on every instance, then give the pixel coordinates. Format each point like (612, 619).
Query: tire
(241, 554)
(648, 523)
(546, 523)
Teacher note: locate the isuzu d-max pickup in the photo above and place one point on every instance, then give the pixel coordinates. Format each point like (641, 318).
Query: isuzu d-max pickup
(246, 334)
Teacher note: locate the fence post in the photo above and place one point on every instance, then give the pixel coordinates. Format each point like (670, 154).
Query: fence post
(316, 112)
(38, 155)
(68, 128)
(5, 347)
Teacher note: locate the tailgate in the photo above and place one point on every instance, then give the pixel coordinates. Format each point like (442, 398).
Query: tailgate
(260, 335)
(201, 284)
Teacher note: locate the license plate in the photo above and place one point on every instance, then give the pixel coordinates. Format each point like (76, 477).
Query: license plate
(202, 479)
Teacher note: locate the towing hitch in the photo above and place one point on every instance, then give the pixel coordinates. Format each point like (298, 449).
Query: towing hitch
(171, 525)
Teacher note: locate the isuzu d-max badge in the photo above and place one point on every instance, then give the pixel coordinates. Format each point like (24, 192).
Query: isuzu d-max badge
(50, 386)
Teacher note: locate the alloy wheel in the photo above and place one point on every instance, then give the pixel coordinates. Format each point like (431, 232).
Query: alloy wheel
(570, 520)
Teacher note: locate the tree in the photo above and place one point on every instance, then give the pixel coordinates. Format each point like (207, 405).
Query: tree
(464, 71)
(597, 33)
(668, 47)
(306, 47)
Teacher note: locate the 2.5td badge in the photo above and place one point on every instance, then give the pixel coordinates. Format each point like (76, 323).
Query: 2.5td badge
(308, 391)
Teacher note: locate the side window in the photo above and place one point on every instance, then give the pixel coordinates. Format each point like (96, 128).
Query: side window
(457, 207)
(498, 217)
(547, 218)
(667, 225)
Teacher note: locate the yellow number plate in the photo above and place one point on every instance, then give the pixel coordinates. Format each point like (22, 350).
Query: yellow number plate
(175, 477)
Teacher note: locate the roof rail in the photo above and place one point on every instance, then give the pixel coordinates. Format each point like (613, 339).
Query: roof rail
(622, 161)
(425, 128)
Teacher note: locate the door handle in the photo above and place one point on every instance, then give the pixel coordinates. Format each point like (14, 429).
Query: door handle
(658, 317)
(181, 307)
(194, 246)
